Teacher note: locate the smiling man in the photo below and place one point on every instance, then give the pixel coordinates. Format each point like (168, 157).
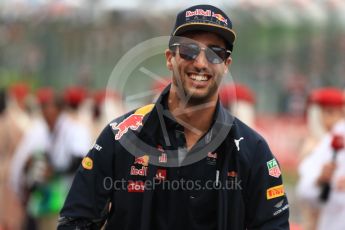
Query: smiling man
(183, 162)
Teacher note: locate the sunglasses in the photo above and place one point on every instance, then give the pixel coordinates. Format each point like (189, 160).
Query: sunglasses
(214, 54)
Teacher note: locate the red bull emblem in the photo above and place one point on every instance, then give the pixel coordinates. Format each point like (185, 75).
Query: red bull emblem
(161, 174)
(132, 122)
(143, 160)
(219, 17)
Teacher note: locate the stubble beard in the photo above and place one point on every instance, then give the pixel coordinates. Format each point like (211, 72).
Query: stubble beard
(189, 97)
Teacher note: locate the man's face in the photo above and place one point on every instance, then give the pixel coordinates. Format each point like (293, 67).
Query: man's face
(331, 115)
(50, 113)
(197, 79)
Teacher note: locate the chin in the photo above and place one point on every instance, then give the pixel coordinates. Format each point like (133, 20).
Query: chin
(198, 98)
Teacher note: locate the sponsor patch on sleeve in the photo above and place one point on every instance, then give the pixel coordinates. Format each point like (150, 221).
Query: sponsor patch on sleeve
(87, 163)
(274, 192)
(273, 168)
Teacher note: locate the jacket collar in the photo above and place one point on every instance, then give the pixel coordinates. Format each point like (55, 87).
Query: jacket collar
(160, 122)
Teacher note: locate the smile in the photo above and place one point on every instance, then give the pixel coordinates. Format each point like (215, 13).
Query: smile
(199, 77)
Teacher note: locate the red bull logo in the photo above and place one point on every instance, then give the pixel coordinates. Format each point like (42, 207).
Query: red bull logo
(132, 122)
(198, 12)
(143, 160)
(161, 174)
(138, 172)
(219, 17)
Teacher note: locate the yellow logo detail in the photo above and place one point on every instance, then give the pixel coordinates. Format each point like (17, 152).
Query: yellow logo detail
(87, 163)
(275, 192)
(145, 109)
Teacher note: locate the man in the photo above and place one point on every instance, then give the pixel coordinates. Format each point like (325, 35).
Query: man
(325, 165)
(155, 165)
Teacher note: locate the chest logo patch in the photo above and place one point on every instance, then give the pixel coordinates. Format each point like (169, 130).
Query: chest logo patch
(133, 121)
(143, 160)
(237, 143)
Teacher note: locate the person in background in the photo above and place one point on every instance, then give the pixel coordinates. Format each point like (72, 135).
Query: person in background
(321, 166)
(17, 105)
(10, 134)
(76, 104)
(158, 86)
(106, 104)
(47, 158)
(239, 99)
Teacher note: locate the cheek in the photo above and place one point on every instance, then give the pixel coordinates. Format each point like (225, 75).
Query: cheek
(178, 67)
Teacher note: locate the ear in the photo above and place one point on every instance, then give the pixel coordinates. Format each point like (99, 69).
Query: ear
(227, 64)
(169, 55)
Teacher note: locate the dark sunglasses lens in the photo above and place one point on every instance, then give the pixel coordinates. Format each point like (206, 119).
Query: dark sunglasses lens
(189, 51)
(216, 55)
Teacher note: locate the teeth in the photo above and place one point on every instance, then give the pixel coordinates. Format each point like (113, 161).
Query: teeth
(199, 77)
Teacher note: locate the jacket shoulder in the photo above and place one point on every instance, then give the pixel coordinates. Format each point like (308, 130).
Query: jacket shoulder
(254, 146)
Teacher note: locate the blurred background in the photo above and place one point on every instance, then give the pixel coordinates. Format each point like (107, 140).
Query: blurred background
(284, 50)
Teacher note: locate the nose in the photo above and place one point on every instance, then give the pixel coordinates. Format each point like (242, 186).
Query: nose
(201, 61)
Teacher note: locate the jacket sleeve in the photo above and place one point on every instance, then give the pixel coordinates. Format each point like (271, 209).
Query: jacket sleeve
(86, 205)
(267, 206)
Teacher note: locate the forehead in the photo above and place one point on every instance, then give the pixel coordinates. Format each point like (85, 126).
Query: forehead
(206, 38)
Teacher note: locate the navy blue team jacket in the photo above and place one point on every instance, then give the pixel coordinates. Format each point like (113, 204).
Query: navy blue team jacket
(244, 191)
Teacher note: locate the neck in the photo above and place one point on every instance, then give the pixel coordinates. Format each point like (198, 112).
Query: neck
(195, 117)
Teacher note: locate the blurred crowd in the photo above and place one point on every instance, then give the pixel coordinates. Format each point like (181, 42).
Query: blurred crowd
(45, 133)
(43, 137)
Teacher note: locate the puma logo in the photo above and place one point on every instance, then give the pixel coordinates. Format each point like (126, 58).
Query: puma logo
(237, 143)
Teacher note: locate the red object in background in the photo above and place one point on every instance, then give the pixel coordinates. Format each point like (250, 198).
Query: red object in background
(159, 85)
(327, 97)
(45, 95)
(285, 135)
(337, 142)
(229, 93)
(294, 226)
(101, 95)
(19, 91)
(74, 96)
